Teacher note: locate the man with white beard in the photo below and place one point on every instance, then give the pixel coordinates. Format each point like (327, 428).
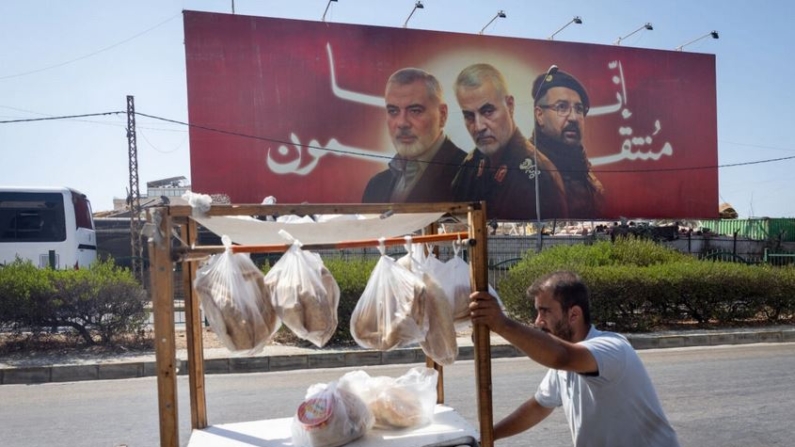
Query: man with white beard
(426, 160)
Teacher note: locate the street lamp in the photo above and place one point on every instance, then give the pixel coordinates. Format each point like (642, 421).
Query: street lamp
(576, 20)
(500, 14)
(646, 26)
(324, 12)
(417, 6)
(714, 35)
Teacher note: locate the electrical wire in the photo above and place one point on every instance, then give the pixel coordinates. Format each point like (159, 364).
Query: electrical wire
(53, 118)
(596, 171)
(378, 156)
(61, 64)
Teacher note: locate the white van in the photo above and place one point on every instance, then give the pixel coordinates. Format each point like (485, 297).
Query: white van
(51, 227)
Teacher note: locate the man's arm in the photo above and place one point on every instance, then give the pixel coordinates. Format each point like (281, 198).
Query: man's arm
(541, 347)
(526, 416)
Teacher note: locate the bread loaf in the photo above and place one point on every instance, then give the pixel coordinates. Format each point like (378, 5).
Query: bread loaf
(329, 419)
(391, 310)
(305, 295)
(440, 342)
(235, 302)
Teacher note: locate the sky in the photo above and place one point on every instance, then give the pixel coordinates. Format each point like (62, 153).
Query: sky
(82, 58)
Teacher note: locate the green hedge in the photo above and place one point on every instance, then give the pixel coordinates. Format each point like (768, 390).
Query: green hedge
(351, 276)
(102, 301)
(637, 285)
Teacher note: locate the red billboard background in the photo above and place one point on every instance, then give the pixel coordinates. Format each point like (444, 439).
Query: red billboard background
(294, 109)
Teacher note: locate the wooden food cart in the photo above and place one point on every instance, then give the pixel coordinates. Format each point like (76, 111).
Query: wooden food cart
(182, 221)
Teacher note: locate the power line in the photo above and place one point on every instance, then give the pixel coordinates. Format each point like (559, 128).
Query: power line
(255, 137)
(694, 168)
(38, 70)
(597, 171)
(378, 156)
(66, 117)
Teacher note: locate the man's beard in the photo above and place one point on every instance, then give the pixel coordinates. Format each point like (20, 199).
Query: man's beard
(410, 150)
(571, 127)
(562, 330)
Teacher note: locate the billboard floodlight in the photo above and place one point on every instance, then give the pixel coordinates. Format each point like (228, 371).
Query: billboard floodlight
(500, 15)
(576, 19)
(713, 34)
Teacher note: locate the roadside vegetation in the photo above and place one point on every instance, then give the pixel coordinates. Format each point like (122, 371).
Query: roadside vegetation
(636, 285)
(103, 304)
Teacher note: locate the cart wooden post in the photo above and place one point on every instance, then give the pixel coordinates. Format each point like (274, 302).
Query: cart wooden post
(193, 329)
(478, 262)
(162, 282)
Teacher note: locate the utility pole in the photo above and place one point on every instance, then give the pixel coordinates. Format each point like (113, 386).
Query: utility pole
(135, 195)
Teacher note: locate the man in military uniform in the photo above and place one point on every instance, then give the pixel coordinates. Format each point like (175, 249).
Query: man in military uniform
(426, 160)
(502, 169)
(561, 104)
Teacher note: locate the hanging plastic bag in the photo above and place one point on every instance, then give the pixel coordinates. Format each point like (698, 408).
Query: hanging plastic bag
(402, 402)
(455, 279)
(304, 294)
(391, 311)
(330, 416)
(440, 342)
(235, 302)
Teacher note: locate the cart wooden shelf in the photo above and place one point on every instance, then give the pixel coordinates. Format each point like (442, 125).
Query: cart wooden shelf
(164, 253)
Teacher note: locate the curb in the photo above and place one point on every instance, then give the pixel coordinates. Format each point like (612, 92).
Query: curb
(352, 358)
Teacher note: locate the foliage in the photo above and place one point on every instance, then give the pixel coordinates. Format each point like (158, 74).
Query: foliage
(103, 300)
(351, 275)
(637, 285)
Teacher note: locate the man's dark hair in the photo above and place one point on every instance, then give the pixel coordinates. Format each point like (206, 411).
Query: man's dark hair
(567, 288)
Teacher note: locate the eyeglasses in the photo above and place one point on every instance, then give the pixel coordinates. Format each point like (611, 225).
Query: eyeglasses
(563, 109)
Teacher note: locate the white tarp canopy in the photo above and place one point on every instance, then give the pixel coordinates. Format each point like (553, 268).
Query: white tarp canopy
(250, 231)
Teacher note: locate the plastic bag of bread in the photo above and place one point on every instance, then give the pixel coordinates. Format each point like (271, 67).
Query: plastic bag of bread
(440, 342)
(402, 402)
(330, 416)
(304, 294)
(454, 276)
(391, 311)
(455, 279)
(235, 302)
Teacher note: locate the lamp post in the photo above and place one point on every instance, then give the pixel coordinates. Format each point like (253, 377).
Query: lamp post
(323, 19)
(553, 69)
(417, 6)
(647, 26)
(713, 34)
(500, 14)
(576, 19)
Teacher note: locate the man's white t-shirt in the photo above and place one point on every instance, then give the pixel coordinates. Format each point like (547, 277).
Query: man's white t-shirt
(614, 408)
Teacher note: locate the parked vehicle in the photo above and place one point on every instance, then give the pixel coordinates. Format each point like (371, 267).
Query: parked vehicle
(50, 226)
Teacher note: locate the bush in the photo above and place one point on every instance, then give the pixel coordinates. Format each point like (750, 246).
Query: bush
(102, 300)
(637, 285)
(351, 276)
(20, 281)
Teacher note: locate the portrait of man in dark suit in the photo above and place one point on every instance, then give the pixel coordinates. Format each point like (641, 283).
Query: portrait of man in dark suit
(426, 159)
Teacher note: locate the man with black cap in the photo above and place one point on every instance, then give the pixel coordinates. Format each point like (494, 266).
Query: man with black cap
(502, 168)
(561, 105)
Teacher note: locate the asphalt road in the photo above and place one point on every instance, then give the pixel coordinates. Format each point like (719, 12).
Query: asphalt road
(721, 396)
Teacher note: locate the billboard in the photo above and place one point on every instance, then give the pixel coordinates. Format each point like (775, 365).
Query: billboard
(296, 110)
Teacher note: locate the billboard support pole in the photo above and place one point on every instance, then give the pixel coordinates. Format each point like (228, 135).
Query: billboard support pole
(550, 72)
